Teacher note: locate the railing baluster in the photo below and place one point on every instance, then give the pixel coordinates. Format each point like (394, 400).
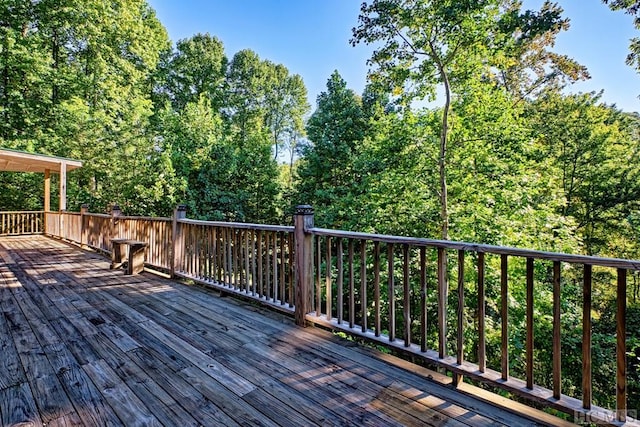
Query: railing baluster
(222, 251)
(457, 378)
(529, 315)
(199, 251)
(621, 346)
(254, 262)
(391, 294)
(267, 260)
(216, 255)
(423, 299)
(292, 272)
(363, 284)
(340, 266)
(557, 345)
(244, 257)
(407, 295)
(352, 297)
(237, 258)
(586, 337)
(376, 286)
(210, 254)
(260, 266)
(281, 270)
(482, 340)
(229, 261)
(274, 262)
(328, 279)
(225, 261)
(234, 257)
(247, 261)
(318, 278)
(504, 314)
(442, 303)
(194, 248)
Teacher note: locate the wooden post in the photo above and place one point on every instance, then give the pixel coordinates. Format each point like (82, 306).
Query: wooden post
(180, 212)
(83, 228)
(63, 186)
(47, 190)
(47, 197)
(115, 213)
(621, 347)
(303, 222)
(586, 337)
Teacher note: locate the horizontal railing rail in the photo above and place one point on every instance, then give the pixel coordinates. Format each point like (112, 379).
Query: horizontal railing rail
(489, 249)
(488, 313)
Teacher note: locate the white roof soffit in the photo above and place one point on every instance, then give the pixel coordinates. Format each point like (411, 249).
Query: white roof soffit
(20, 161)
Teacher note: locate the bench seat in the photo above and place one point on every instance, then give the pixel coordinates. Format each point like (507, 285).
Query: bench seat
(131, 251)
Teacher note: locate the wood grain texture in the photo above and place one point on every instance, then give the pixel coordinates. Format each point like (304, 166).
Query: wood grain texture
(141, 350)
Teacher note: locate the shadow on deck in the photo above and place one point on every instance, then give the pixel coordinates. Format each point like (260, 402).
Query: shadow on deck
(84, 345)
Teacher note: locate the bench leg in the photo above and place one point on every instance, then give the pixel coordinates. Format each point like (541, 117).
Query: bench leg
(136, 259)
(117, 255)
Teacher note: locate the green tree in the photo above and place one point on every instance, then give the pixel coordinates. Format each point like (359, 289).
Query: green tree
(286, 106)
(77, 82)
(593, 151)
(632, 7)
(196, 68)
(426, 45)
(326, 174)
(522, 58)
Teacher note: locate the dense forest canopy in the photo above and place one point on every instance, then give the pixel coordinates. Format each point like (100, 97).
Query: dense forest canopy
(504, 154)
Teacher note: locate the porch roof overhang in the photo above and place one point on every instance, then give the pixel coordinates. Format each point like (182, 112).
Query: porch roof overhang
(20, 161)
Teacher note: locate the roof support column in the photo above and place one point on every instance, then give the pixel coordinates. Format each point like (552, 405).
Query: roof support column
(47, 190)
(63, 186)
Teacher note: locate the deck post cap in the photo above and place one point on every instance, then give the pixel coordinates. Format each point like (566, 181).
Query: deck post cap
(304, 210)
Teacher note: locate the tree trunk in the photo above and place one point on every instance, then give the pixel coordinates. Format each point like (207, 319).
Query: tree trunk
(442, 163)
(56, 64)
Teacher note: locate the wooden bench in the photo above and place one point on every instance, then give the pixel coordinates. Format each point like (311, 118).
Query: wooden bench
(134, 256)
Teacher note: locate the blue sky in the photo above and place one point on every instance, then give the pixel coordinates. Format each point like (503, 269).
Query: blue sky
(311, 38)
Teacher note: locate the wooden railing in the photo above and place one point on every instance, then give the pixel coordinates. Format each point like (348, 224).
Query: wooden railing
(431, 299)
(250, 259)
(155, 231)
(17, 223)
(97, 231)
(417, 278)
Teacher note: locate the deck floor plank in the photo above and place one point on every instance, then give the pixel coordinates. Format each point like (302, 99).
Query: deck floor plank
(142, 350)
(18, 407)
(160, 403)
(10, 364)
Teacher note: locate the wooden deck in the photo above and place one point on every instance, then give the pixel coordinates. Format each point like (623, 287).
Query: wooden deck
(84, 345)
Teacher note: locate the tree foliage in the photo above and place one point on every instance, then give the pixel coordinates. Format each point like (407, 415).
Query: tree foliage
(326, 175)
(632, 7)
(426, 45)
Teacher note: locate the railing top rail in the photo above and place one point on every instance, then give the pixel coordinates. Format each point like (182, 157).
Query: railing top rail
(489, 249)
(243, 225)
(21, 212)
(70, 213)
(145, 218)
(98, 215)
